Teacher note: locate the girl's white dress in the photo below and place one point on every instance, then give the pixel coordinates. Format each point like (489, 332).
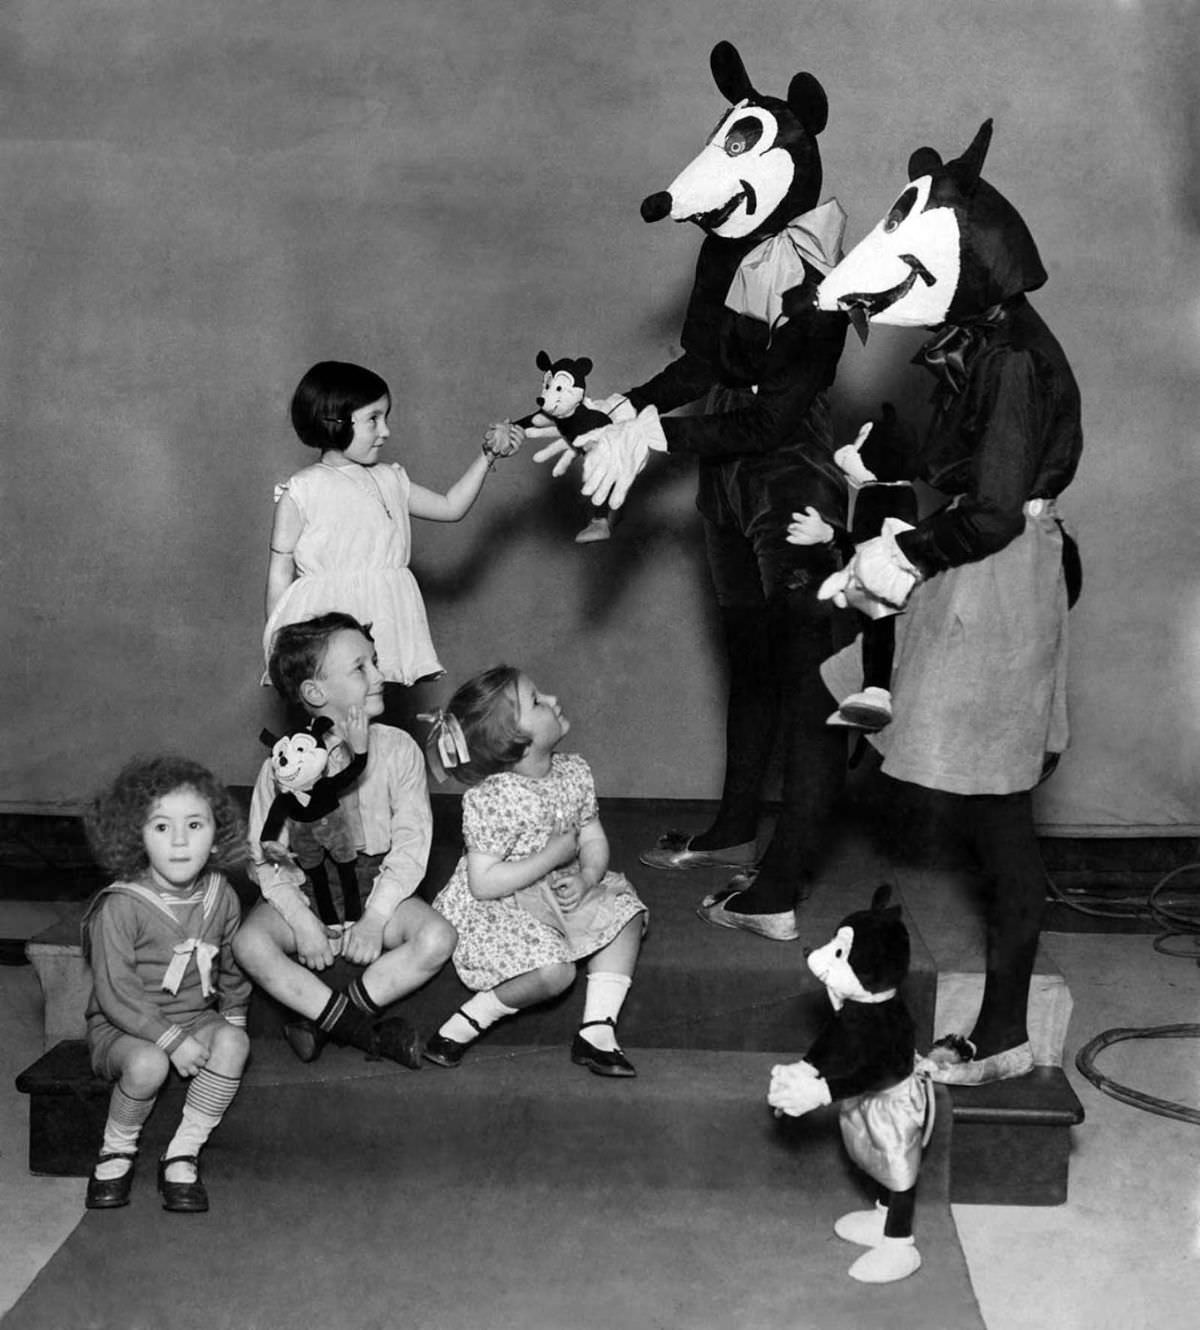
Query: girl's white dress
(352, 556)
(513, 816)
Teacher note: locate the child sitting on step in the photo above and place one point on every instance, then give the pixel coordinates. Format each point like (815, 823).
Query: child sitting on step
(533, 893)
(326, 666)
(167, 991)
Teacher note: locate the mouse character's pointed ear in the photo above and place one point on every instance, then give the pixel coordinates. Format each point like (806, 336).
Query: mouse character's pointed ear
(729, 73)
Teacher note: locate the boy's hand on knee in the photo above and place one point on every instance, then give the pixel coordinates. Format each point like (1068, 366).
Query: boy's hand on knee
(362, 942)
(314, 945)
(189, 1057)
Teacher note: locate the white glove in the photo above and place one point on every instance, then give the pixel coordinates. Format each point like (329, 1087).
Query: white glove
(878, 580)
(797, 1089)
(809, 528)
(849, 459)
(616, 455)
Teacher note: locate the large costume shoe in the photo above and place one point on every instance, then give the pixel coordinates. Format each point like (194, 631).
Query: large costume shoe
(674, 852)
(862, 1227)
(869, 710)
(893, 1259)
(182, 1197)
(952, 1061)
(109, 1193)
(777, 927)
(601, 1061)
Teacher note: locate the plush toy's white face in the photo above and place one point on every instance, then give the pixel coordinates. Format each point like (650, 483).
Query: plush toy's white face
(739, 178)
(831, 965)
(560, 394)
(298, 761)
(906, 271)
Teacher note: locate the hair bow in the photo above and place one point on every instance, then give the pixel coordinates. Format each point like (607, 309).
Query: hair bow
(445, 745)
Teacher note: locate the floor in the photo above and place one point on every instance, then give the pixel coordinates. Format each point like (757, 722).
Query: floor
(1123, 1252)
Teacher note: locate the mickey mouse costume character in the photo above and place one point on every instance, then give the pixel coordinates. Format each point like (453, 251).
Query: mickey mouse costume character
(863, 1062)
(755, 344)
(980, 670)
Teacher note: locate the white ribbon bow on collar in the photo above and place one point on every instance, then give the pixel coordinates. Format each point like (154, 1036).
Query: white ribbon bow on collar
(204, 953)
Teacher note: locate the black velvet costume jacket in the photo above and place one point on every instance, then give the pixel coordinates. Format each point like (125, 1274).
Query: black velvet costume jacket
(866, 1046)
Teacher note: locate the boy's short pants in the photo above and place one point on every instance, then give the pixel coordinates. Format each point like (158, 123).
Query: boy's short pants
(102, 1036)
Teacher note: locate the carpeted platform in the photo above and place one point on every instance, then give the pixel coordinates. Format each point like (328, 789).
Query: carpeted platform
(516, 1191)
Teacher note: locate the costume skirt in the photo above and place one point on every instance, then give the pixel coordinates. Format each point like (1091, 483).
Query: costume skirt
(979, 679)
(884, 1132)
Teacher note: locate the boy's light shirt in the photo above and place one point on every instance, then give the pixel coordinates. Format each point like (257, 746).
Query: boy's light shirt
(388, 813)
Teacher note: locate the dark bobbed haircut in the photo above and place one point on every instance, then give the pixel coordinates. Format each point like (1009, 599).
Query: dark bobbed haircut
(325, 399)
(298, 650)
(486, 708)
(115, 819)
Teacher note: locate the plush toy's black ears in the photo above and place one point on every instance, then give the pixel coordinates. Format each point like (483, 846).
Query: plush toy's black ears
(267, 739)
(543, 361)
(729, 73)
(882, 897)
(808, 102)
(583, 367)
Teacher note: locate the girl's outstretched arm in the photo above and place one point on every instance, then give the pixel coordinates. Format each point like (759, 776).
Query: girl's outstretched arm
(281, 566)
(501, 440)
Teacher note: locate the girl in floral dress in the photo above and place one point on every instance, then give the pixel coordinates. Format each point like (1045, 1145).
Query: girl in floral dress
(533, 893)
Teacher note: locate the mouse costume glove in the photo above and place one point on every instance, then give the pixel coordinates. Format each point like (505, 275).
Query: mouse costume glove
(797, 1089)
(878, 580)
(617, 454)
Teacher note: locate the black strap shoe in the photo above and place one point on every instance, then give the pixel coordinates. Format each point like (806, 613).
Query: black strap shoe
(449, 1052)
(182, 1197)
(110, 1193)
(600, 1060)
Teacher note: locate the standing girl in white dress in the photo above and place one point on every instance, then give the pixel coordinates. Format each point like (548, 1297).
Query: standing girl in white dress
(533, 893)
(342, 538)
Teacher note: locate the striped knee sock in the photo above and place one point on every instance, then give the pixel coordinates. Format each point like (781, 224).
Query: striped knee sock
(357, 993)
(126, 1118)
(208, 1096)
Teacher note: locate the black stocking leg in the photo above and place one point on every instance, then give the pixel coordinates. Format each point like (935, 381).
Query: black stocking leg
(901, 1206)
(1003, 838)
(326, 910)
(351, 901)
(814, 760)
(750, 721)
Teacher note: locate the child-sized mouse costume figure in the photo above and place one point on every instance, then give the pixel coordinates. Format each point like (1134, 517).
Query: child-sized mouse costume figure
(863, 1062)
(307, 802)
(980, 671)
(563, 402)
(755, 345)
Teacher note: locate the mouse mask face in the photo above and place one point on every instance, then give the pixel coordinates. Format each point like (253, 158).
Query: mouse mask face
(759, 167)
(949, 248)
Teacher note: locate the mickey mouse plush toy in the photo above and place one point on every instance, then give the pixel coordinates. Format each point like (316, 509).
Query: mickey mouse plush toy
(863, 1061)
(307, 800)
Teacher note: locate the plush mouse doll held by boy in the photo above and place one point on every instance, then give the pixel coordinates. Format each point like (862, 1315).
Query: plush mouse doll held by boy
(326, 666)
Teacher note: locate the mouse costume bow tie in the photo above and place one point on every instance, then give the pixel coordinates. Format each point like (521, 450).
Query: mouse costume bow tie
(949, 352)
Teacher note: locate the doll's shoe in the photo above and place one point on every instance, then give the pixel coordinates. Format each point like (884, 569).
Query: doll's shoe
(110, 1193)
(602, 1061)
(862, 1227)
(893, 1259)
(869, 710)
(779, 926)
(674, 851)
(599, 528)
(182, 1197)
(942, 1064)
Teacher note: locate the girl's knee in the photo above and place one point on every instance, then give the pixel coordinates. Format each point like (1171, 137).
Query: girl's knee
(435, 940)
(557, 978)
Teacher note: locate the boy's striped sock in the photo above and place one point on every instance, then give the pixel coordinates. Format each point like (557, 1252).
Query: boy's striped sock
(126, 1118)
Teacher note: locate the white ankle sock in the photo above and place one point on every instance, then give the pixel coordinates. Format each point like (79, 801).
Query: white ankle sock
(485, 1009)
(606, 993)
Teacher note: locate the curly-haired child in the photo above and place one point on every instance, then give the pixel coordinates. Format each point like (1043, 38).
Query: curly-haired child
(167, 991)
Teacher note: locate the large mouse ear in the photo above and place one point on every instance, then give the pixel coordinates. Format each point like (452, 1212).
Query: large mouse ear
(925, 161)
(807, 99)
(543, 361)
(970, 164)
(729, 73)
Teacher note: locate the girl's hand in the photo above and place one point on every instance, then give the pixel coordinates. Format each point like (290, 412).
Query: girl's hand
(314, 948)
(362, 942)
(356, 729)
(570, 891)
(809, 528)
(189, 1057)
(503, 439)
